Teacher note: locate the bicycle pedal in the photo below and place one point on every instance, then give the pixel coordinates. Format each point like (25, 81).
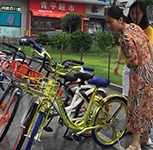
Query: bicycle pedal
(48, 129)
(68, 138)
(77, 137)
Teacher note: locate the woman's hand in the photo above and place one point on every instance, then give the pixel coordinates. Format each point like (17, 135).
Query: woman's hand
(116, 69)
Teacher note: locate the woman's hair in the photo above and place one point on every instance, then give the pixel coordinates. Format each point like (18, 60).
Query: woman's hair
(116, 13)
(144, 21)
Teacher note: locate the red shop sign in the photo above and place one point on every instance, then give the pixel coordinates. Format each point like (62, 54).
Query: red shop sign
(55, 5)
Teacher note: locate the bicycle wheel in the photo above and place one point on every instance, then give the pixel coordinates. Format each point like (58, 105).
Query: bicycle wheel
(25, 126)
(82, 107)
(4, 82)
(113, 120)
(35, 130)
(8, 107)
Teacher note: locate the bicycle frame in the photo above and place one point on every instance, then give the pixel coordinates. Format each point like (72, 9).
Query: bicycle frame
(80, 125)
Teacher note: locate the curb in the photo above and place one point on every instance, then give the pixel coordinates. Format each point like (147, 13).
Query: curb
(116, 87)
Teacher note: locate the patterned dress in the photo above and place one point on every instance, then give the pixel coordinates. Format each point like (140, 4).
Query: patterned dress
(140, 99)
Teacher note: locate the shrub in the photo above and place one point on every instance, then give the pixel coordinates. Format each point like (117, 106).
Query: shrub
(60, 39)
(80, 40)
(104, 39)
(43, 38)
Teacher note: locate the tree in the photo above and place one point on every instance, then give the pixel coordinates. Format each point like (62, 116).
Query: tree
(72, 22)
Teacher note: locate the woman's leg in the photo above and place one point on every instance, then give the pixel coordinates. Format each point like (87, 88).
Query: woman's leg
(135, 145)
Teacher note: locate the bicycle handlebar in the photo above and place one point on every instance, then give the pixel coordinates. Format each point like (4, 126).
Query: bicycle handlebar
(72, 61)
(6, 44)
(17, 51)
(42, 52)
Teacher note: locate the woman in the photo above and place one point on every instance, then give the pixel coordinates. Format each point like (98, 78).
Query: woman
(136, 48)
(137, 14)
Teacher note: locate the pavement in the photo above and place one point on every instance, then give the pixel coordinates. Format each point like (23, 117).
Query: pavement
(55, 141)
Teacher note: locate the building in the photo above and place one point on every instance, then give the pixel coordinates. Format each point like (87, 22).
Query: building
(28, 17)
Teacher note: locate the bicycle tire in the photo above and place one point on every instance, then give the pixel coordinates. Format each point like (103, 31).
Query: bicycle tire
(35, 130)
(26, 123)
(8, 112)
(81, 105)
(2, 84)
(109, 135)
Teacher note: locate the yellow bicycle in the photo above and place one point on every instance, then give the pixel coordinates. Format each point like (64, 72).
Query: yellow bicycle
(106, 117)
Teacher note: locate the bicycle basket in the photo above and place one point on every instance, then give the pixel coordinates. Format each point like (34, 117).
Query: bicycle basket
(16, 70)
(40, 87)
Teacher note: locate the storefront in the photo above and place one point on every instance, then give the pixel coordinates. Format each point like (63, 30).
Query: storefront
(46, 15)
(96, 14)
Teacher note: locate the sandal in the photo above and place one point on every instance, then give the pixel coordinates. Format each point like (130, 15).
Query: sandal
(133, 148)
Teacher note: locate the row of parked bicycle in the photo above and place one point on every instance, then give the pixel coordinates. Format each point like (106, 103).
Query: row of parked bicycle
(65, 89)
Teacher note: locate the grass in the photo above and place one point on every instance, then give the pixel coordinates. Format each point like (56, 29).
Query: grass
(97, 60)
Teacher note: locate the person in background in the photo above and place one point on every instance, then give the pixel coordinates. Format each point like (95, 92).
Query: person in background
(138, 50)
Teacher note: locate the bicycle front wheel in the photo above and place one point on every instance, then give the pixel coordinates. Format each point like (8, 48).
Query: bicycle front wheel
(25, 126)
(8, 106)
(113, 120)
(4, 82)
(35, 130)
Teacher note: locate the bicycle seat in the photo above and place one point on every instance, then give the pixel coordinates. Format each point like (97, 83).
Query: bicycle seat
(7, 52)
(84, 75)
(99, 81)
(70, 77)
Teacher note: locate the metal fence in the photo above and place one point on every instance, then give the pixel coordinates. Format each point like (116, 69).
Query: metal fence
(12, 40)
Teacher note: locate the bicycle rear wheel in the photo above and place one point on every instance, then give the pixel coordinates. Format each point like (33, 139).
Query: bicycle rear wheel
(25, 126)
(113, 120)
(8, 106)
(35, 130)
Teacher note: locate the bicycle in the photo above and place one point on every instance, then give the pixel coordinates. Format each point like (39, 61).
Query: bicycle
(11, 97)
(11, 54)
(106, 115)
(71, 104)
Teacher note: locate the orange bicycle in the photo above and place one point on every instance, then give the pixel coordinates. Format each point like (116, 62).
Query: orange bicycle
(9, 101)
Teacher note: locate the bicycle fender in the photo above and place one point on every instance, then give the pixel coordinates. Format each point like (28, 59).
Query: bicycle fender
(115, 96)
(92, 89)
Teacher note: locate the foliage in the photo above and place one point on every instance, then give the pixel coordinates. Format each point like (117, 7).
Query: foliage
(43, 38)
(80, 40)
(104, 39)
(147, 2)
(98, 62)
(72, 22)
(60, 39)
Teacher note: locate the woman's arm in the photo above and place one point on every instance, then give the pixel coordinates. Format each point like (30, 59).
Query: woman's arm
(118, 60)
(150, 46)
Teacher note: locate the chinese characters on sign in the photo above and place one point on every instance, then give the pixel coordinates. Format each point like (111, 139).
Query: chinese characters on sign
(11, 8)
(57, 6)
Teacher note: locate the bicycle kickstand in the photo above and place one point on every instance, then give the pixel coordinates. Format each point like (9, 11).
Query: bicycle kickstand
(67, 137)
(46, 128)
(119, 143)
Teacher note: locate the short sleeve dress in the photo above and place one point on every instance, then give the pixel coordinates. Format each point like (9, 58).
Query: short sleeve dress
(140, 99)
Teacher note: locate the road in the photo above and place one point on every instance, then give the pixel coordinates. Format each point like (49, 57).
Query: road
(54, 140)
